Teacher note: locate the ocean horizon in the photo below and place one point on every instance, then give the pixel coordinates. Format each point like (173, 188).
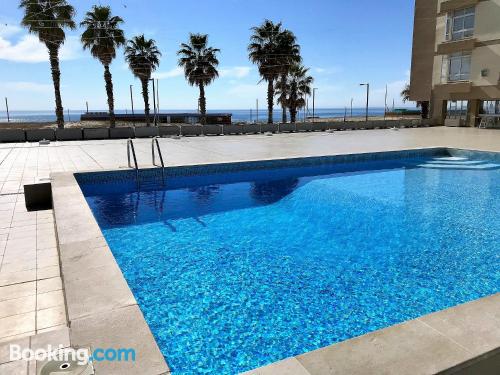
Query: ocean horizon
(238, 115)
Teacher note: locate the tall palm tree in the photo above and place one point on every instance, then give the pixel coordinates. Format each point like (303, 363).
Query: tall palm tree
(299, 87)
(289, 55)
(405, 96)
(48, 19)
(200, 66)
(264, 52)
(143, 58)
(102, 37)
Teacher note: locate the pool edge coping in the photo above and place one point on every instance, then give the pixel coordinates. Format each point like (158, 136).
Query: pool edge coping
(78, 232)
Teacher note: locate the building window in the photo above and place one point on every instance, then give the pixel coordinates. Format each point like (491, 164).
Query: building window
(459, 66)
(460, 24)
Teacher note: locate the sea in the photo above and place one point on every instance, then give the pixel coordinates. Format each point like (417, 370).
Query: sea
(238, 115)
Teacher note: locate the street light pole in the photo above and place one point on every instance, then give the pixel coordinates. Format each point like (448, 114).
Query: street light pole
(154, 101)
(367, 98)
(132, 103)
(352, 99)
(314, 102)
(7, 107)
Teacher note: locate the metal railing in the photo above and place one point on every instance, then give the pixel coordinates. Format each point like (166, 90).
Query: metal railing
(154, 142)
(131, 150)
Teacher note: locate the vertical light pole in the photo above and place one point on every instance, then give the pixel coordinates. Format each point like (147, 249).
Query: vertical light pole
(7, 107)
(314, 102)
(385, 105)
(158, 95)
(154, 101)
(257, 114)
(367, 97)
(352, 99)
(87, 105)
(132, 103)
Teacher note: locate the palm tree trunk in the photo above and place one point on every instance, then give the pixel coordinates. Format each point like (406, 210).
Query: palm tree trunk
(56, 78)
(283, 93)
(293, 114)
(270, 100)
(203, 104)
(109, 92)
(145, 95)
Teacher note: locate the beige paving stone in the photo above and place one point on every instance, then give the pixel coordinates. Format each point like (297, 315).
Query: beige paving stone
(48, 285)
(54, 338)
(17, 290)
(288, 366)
(49, 261)
(49, 299)
(24, 343)
(14, 368)
(475, 325)
(50, 317)
(17, 324)
(47, 272)
(17, 306)
(17, 277)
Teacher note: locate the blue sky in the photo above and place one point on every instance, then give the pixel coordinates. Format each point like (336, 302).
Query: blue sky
(343, 42)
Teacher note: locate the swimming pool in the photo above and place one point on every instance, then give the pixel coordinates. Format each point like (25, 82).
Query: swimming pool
(237, 269)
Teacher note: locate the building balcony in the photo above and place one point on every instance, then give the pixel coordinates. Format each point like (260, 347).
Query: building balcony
(450, 88)
(453, 46)
(451, 5)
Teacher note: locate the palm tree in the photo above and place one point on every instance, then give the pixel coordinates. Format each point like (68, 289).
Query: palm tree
(299, 87)
(264, 52)
(143, 58)
(405, 95)
(48, 19)
(289, 55)
(102, 37)
(200, 66)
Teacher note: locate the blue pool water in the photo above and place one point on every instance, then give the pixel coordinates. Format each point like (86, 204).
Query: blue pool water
(234, 271)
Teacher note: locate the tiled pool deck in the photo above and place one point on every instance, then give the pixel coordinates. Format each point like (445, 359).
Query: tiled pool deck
(32, 308)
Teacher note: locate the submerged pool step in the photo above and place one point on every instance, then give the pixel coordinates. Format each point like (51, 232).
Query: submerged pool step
(458, 163)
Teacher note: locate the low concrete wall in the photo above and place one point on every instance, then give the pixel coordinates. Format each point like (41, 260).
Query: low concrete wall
(147, 131)
(69, 134)
(212, 129)
(188, 130)
(273, 128)
(287, 128)
(251, 128)
(169, 130)
(233, 129)
(319, 126)
(12, 135)
(304, 127)
(95, 133)
(35, 135)
(121, 133)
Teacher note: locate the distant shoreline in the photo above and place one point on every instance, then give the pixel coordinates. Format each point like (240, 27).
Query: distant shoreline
(100, 124)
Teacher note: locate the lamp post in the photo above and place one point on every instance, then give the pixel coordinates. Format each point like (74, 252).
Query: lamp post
(367, 97)
(154, 101)
(314, 102)
(7, 108)
(132, 103)
(352, 99)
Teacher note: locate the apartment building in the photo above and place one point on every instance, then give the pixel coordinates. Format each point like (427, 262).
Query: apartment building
(456, 60)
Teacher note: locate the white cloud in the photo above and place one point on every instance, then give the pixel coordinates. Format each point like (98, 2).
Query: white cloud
(329, 70)
(25, 86)
(237, 72)
(28, 49)
(174, 72)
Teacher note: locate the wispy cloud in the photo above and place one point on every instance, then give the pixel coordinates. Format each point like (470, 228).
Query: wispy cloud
(327, 70)
(26, 86)
(28, 49)
(237, 72)
(172, 73)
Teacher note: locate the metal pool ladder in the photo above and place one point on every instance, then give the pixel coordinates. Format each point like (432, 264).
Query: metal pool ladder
(131, 150)
(156, 144)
